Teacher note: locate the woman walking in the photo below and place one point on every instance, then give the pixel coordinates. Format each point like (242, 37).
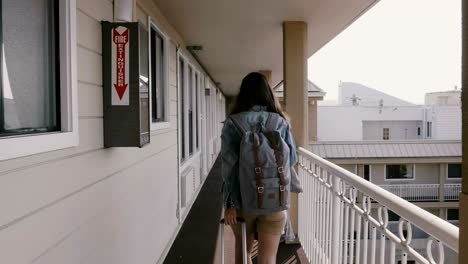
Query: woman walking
(258, 157)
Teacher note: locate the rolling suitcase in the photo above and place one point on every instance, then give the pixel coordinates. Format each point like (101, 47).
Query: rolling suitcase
(244, 239)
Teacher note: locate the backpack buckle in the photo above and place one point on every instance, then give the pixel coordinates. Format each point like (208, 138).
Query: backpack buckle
(282, 188)
(258, 170)
(280, 169)
(260, 189)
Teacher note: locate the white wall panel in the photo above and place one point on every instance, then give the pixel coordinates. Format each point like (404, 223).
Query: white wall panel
(90, 100)
(87, 29)
(97, 9)
(89, 67)
(125, 201)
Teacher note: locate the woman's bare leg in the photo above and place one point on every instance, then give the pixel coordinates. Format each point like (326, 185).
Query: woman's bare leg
(267, 248)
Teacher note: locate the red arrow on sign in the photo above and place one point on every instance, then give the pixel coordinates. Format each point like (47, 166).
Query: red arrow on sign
(120, 40)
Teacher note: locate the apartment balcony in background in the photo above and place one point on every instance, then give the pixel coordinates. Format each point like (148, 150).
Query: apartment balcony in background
(425, 192)
(344, 218)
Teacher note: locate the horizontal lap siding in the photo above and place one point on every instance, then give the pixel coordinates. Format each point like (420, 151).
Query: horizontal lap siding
(89, 204)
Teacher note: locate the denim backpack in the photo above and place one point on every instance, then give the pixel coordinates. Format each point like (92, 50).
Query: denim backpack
(264, 167)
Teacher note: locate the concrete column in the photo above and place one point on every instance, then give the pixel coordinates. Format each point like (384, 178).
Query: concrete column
(442, 177)
(463, 222)
(124, 10)
(295, 90)
(267, 74)
(295, 78)
(312, 120)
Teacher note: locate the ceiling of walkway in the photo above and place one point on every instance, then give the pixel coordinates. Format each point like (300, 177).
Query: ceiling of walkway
(240, 36)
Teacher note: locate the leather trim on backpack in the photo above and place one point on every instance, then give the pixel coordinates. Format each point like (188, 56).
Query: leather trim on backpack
(258, 171)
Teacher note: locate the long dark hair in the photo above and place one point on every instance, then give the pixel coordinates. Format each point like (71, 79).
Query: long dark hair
(255, 90)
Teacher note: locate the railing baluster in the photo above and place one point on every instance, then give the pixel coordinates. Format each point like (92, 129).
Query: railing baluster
(335, 221)
(404, 258)
(328, 216)
(358, 239)
(340, 248)
(324, 220)
(345, 234)
(373, 246)
(352, 226)
(383, 224)
(316, 216)
(366, 207)
(382, 248)
(392, 252)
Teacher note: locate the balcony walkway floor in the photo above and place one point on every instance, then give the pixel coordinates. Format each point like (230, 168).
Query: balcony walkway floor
(197, 240)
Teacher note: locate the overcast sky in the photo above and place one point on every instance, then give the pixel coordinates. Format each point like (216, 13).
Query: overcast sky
(401, 47)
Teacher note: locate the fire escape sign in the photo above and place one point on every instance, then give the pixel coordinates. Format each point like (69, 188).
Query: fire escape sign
(120, 69)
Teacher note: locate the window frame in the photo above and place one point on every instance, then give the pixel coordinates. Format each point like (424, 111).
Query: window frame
(447, 214)
(29, 144)
(400, 179)
(165, 123)
(182, 55)
(386, 129)
(429, 129)
(447, 172)
(181, 93)
(364, 172)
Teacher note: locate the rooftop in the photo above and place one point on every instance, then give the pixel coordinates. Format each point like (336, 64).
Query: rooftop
(388, 149)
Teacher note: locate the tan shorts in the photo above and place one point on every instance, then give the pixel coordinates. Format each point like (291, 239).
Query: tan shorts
(271, 223)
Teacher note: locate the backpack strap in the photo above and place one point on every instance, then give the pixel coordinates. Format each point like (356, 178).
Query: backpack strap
(258, 171)
(240, 124)
(272, 122)
(282, 182)
(271, 125)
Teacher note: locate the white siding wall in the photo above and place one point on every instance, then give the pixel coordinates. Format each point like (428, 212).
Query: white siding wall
(350, 119)
(373, 130)
(447, 122)
(89, 204)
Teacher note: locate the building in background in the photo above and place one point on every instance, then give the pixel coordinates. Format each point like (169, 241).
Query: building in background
(413, 151)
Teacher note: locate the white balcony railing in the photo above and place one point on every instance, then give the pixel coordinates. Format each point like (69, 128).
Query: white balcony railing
(452, 191)
(414, 192)
(344, 219)
(424, 192)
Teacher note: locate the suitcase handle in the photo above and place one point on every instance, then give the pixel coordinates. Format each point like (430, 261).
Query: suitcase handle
(239, 220)
(244, 239)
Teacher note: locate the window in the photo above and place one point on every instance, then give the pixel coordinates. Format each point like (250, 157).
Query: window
(197, 117)
(367, 172)
(30, 74)
(454, 171)
(408, 262)
(181, 107)
(429, 129)
(399, 171)
(386, 134)
(452, 214)
(442, 100)
(158, 75)
(190, 109)
(392, 217)
(419, 131)
(38, 77)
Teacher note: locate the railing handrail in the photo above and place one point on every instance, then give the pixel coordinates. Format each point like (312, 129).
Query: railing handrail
(411, 185)
(453, 184)
(431, 224)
